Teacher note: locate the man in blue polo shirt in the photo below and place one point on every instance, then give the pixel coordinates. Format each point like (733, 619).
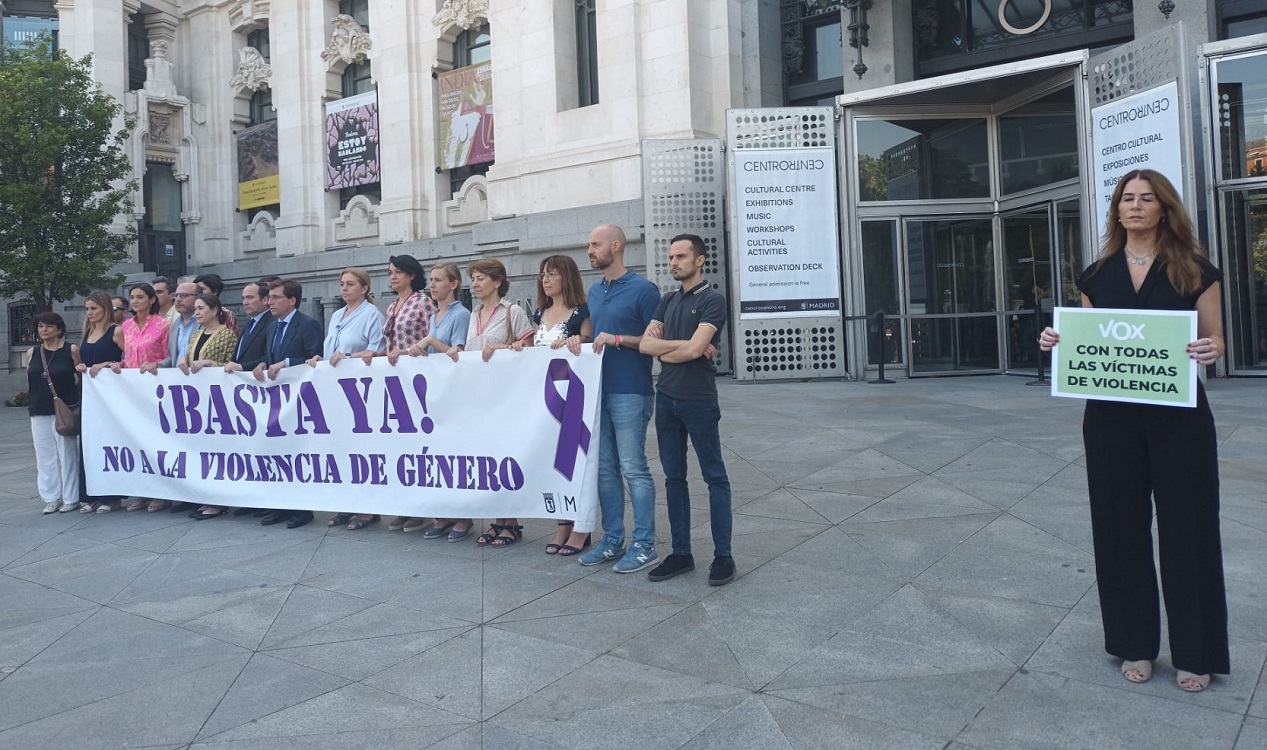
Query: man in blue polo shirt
(621, 305)
(683, 335)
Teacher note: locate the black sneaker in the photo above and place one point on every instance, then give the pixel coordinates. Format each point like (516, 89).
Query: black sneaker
(722, 571)
(673, 565)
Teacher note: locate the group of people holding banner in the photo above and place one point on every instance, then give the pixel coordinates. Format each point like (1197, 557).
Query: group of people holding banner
(623, 315)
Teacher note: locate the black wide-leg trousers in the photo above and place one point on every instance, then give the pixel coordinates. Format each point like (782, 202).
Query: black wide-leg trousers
(1139, 455)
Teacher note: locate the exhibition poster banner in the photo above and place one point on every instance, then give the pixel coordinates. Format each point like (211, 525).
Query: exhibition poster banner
(258, 183)
(466, 116)
(1139, 356)
(1141, 131)
(785, 201)
(352, 141)
(517, 436)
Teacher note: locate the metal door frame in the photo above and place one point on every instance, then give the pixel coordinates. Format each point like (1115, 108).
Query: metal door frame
(909, 318)
(1052, 239)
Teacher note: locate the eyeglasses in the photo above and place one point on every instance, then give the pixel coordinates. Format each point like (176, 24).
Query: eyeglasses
(183, 294)
(118, 309)
(549, 276)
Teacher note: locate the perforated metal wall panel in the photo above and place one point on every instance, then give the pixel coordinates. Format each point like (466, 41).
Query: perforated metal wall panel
(684, 190)
(779, 348)
(1136, 66)
(1142, 64)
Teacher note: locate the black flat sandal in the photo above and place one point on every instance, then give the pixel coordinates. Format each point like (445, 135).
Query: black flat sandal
(499, 541)
(553, 547)
(488, 536)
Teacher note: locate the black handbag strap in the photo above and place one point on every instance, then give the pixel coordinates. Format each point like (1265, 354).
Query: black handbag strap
(48, 378)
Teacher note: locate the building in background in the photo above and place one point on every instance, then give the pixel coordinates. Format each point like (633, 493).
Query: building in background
(298, 137)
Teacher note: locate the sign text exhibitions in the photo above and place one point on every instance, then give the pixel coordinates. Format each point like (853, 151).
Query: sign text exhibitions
(785, 204)
(516, 436)
(1138, 356)
(1141, 131)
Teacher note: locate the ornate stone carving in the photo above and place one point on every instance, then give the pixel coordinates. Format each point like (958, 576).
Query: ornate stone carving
(348, 41)
(158, 49)
(253, 71)
(359, 221)
(465, 14)
(468, 207)
(249, 13)
(260, 234)
(160, 128)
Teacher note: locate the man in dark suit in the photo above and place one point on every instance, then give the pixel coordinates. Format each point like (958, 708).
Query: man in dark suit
(293, 338)
(253, 344)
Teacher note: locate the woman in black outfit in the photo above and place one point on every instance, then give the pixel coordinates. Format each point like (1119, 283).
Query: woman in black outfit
(101, 347)
(1152, 261)
(56, 456)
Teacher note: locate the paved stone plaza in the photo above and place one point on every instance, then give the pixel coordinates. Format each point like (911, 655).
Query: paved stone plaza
(915, 571)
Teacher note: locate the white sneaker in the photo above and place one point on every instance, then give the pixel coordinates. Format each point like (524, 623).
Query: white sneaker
(71, 508)
(51, 507)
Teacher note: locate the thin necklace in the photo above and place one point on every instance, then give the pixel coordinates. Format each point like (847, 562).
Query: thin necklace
(1138, 260)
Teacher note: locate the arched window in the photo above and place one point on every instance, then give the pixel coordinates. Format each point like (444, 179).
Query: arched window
(473, 46)
(358, 9)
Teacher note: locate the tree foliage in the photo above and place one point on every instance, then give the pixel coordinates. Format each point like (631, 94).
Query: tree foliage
(63, 177)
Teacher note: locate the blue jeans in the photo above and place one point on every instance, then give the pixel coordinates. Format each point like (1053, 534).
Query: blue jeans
(675, 421)
(623, 451)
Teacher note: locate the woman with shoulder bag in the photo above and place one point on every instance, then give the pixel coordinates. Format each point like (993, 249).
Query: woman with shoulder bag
(50, 375)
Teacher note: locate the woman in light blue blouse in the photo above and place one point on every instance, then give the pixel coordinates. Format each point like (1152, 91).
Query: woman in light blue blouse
(448, 324)
(447, 329)
(355, 327)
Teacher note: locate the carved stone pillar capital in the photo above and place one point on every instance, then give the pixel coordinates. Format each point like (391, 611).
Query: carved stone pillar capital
(465, 14)
(348, 42)
(254, 72)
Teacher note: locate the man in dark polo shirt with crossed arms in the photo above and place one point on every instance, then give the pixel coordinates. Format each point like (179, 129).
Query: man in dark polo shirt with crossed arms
(684, 333)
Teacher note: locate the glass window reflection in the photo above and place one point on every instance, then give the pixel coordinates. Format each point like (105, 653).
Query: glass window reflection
(1039, 142)
(1240, 115)
(922, 159)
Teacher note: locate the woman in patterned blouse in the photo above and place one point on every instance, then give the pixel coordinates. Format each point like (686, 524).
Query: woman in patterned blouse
(496, 323)
(406, 324)
(212, 344)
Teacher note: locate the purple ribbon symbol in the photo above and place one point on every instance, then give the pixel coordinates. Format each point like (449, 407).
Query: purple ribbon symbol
(570, 411)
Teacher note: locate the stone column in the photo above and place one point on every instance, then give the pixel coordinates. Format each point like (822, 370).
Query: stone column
(214, 238)
(298, 30)
(96, 27)
(401, 60)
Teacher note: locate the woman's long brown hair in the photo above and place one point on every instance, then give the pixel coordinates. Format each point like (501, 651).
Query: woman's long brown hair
(105, 303)
(1176, 243)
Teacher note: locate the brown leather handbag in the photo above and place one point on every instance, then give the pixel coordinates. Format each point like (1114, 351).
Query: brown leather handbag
(65, 417)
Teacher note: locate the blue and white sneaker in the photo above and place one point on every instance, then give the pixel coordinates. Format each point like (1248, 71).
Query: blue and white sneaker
(638, 557)
(603, 552)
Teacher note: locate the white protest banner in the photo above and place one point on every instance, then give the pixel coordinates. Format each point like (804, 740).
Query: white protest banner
(785, 232)
(516, 436)
(1140, 131)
